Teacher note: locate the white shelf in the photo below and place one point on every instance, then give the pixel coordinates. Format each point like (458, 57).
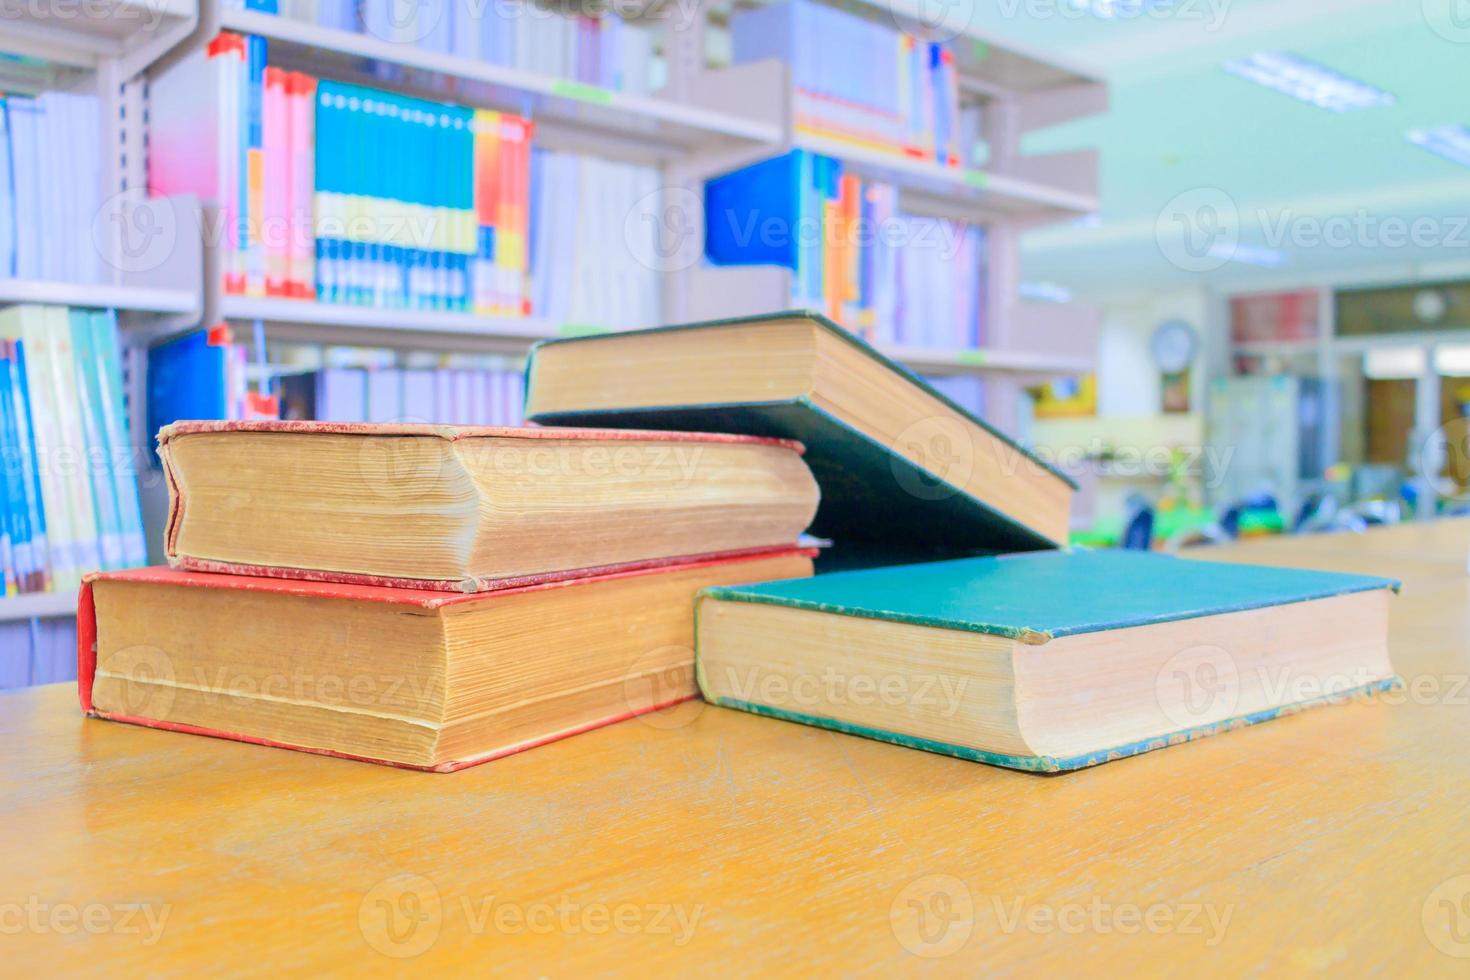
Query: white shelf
(132, 299)
(134, 32)
(340, 323)
(982, 362)
(628, 119)
(952, 192)
(37, 605)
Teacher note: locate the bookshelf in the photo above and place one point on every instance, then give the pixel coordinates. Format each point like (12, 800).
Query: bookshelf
(38, 605)
(568, 114)
(149, 300)
(154, 284)
(703, 122)
(124, 37)
(333, 323)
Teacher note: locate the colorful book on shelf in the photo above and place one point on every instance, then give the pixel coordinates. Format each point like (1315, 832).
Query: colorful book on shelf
(596, 49)
(447, 395)
(885, 90)
(69, 485)
(906, 474)
(423, 679)
(854, 254)
(1046, 662)
(50, 186)
(470, 509)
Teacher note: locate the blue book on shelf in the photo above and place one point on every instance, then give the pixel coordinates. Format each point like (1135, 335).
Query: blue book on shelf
(123, 465)
(186, 380)
(752, 215)
(26, 423)
(98, 455)
(14, 543)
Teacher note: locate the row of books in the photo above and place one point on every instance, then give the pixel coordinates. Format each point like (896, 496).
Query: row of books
(50, 187)
(70, 490)
(858, 79)
(593, 48)
(476, 593)
(893, 277)
(452, 396)
(343, 193)
(594, 237)
(347, 194)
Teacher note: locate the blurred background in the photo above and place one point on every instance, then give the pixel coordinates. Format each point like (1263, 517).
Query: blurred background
(1212, 257)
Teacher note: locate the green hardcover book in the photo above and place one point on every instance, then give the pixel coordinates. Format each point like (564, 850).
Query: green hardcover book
(906, 474)
(1046, 661)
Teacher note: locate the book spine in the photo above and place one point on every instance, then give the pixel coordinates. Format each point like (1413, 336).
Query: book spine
(31, 466)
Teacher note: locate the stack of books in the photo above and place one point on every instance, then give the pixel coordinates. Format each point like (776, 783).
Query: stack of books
(432, 597)
(427, 596)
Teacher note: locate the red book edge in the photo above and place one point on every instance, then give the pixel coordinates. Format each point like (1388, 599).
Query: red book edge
(468, 586)
(87, 642)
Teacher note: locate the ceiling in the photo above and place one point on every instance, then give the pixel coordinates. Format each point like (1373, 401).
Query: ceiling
(1189, 149)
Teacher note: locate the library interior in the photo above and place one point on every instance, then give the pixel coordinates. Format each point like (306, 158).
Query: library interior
(1112, 346)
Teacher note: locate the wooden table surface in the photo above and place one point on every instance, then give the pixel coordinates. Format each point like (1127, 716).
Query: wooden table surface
(1338, 839)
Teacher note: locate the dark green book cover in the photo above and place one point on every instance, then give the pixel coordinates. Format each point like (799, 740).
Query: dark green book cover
(1053, 594)
(1039, 597)
(877, 506)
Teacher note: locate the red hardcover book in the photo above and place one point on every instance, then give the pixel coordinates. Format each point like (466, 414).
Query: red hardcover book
(471, 509)
(413, 678)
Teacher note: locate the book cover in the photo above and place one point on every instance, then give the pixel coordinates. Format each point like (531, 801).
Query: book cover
(876, 502)
(1036, 600)
(415, 599)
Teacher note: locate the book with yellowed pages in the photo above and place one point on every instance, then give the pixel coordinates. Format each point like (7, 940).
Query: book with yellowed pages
(415, 678)
(1045, 661)
(906, 474)
(470, 509)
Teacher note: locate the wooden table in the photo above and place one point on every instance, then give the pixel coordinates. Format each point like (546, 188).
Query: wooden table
(708, 839)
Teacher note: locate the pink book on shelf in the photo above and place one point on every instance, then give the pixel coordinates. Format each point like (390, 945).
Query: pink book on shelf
(301, 245)
(276, 145)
